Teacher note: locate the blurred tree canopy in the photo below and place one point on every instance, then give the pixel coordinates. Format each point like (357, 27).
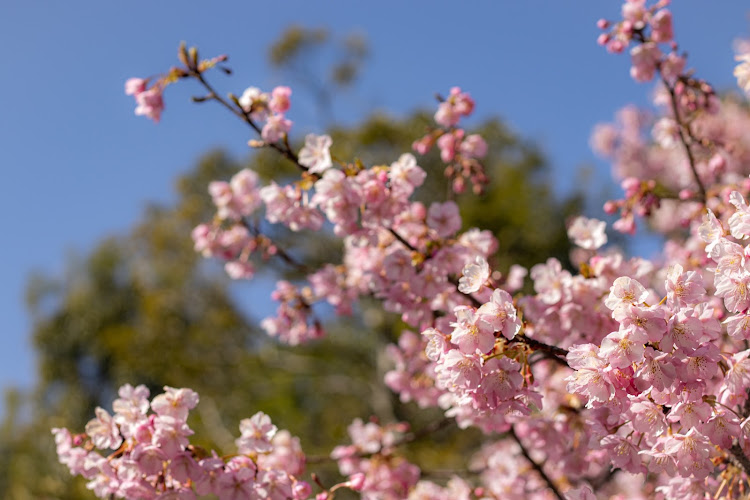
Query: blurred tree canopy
(145, 308)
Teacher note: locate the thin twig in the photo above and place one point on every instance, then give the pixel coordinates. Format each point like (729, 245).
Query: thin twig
(405, 439)
(280, 252)
(682, 128)
(243, 115)
(402, 240)
(537, 467)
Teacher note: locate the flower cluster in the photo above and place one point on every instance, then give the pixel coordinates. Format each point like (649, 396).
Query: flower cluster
(151, 455)
(372, 464)
(459, 151)
(269, 108)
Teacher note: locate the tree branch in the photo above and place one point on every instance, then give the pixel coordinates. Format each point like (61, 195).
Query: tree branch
(681, 128)
(537, 467)
(739, 458)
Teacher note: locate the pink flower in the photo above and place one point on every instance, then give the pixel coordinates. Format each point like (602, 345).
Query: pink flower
(256, 434)
(150, 103)
(276, 127)
(171, 434)
(661, 26)
(739, 222)
(405, 174)
(237, 484)
(621, 350)
(644, 57)
(625, 291)
(592, 383)
(501, 314)
(692, 452)
(642, 321)
(470, 333)
(134, 86)
(501, 381)
(474, 275)
(473, 146)
(175, 402)
(444, 218)
(245, 193)
(239, 269)
(448, 144)
(623, 453)
(255, 102)
(588, 233)
(315, 155)
(279, 102)
(103, 430)
(457, 104)
(734, 289)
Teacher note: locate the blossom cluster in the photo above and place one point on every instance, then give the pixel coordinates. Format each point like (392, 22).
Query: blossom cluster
(372, 463)
(459, 151)
(151, 456)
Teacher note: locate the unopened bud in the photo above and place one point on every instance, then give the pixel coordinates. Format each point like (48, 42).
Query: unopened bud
(193, 53)
(356, 481)
(182, 54)
(685, 194)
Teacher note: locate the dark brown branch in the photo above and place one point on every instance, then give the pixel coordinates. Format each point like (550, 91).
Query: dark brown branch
(682, 129)
(739, 458)
(603, 478)
(402, 240)
(280, 252)
(433, 427)
(537, 467)
(557, 353)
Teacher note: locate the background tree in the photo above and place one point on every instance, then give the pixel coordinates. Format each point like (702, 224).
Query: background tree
(145, 308)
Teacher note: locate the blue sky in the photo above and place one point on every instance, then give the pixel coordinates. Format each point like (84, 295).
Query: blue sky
(78, 165)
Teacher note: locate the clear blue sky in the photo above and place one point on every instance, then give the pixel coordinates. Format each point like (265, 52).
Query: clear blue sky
(78, 165)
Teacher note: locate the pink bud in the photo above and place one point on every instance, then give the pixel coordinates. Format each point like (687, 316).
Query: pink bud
(301, 489)
(603, 39)
(631, 186)
(134, 86)
(610, 207)
(717, 163)
(356, 481)
(616, 46)
(685, 194)
(602, 24)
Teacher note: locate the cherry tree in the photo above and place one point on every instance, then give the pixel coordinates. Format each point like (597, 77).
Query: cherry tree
(629, 378)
